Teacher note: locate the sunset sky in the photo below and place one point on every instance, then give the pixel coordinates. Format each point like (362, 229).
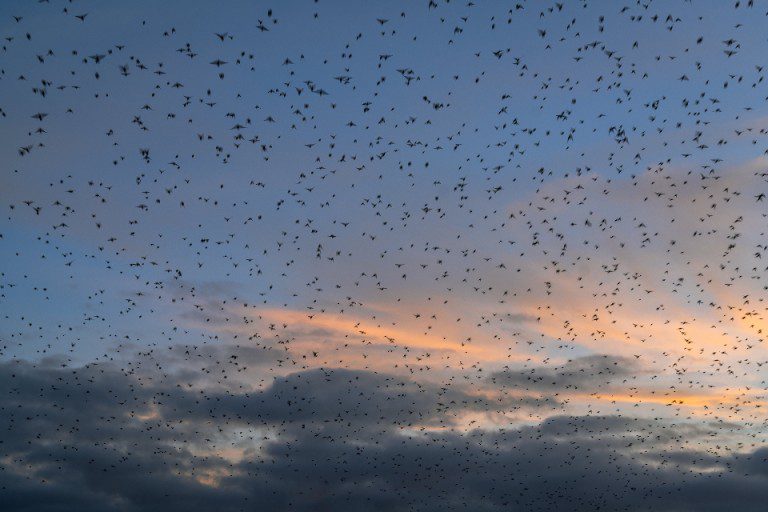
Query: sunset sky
(331, 255)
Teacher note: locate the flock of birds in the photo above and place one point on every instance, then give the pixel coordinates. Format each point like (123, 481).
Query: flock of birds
(433, 255)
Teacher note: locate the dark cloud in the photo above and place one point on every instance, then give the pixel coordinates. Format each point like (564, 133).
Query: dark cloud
(592, 372)
(353, 398)
(205, 362)
(98, 437)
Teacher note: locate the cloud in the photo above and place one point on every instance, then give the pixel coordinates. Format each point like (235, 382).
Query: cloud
(98, 437)
(592, 372)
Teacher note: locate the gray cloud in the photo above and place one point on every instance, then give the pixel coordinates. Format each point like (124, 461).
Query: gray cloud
(593, 371)
(72, 440)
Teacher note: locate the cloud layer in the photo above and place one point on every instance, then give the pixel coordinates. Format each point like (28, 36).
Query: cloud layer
(321, 439)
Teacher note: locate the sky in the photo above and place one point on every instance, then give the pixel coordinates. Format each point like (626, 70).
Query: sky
(431, 255)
